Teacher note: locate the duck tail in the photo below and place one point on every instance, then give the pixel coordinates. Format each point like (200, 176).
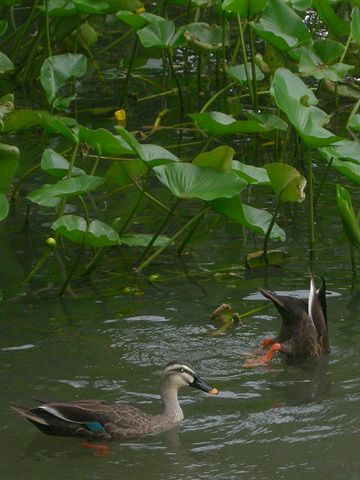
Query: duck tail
(24, 412)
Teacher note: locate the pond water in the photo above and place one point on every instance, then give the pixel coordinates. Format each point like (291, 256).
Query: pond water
(277, 421)
(284, 421)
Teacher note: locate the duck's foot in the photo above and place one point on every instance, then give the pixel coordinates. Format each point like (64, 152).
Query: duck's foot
(100, 450)
(267, 342)
(264, 359)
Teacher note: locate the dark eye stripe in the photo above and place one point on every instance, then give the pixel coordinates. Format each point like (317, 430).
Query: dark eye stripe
(184, 370)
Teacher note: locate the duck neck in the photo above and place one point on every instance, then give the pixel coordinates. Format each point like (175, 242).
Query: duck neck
(171, 407)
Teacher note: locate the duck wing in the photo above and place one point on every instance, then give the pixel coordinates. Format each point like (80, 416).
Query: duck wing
(86, 418)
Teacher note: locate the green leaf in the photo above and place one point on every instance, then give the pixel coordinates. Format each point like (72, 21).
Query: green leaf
(347, 215)
(203, 37)
(349, 169)
(335, 24)
(355, 24)
(220, 158)
(161, 34)
(252, 218)
(286, 182)
(143, 240)
(312, 64)
(4, 206)
(6, 106)
(186, 180)
(91, 7)
(297, 101)
(56, 165)
(123, 172)
(104, 142)
(56, 71)
(282, 27)
(50, 195)
(6, 65)
(137, 20)
(9, 162)
(218, 123)
(152, 155)
(97, 234)
(237, 73)
(354, 123)
(345, 149)
(3, 27)
(251, 175)
(59, 8)
(245, 8)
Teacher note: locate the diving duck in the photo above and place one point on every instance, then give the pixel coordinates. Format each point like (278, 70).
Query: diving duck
(303, 334)
(98, 419)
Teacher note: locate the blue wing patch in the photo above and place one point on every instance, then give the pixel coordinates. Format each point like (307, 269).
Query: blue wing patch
(94, 427)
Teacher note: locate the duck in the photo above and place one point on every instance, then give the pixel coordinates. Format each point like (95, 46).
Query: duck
(304, 330)
(98, 419)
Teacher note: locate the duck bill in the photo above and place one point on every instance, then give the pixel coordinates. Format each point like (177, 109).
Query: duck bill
(201, 385)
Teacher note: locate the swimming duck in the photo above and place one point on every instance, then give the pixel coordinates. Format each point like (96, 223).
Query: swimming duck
(98, 419)
(304, 332)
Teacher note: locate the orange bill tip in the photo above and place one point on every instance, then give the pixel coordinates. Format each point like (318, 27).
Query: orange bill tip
(213, 391)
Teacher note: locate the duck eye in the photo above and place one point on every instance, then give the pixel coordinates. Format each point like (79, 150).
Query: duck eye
(182, 370)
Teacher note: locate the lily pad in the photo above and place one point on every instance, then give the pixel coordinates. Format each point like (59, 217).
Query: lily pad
(220, 158)
(186, 180)
(9, 162)
(282, 27)
(298, 102)
(50, 195)
(251, 174)
(245, 8)
(237, 73)
(288, 184)
(56, 165)
(97, 234)
(161, 34)
(203, 37)
(104, 142)
(218, 123)
(251, 217)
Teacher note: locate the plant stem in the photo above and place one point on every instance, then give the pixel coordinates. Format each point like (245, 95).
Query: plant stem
(190, 234)
(160, 229)
(243, 49)
(47, 28)
(253, 70)
(171, 240)
(268, 232)
(311, 201)
(128, 73)
(181, 97)
(328, 166)
(214, 97)
(72, 271)
(136, 205)
(115, 42)
(38, 266)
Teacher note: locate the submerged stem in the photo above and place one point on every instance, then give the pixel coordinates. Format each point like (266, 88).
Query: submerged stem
(268, 232)
(171, 240)
(311, 201)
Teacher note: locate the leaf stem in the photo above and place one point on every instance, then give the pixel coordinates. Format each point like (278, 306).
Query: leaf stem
(268, 232)
(171, 240)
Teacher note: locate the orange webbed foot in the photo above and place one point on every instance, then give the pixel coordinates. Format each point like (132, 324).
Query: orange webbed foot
(267, 342)
(100, 449)
(262, 360)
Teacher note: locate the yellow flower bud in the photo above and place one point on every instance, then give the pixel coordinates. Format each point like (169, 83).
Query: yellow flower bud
(140, 10)
(51, 242)
(120, 115)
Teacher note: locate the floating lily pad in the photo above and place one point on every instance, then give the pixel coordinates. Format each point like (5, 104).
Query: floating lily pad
(273, 257)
